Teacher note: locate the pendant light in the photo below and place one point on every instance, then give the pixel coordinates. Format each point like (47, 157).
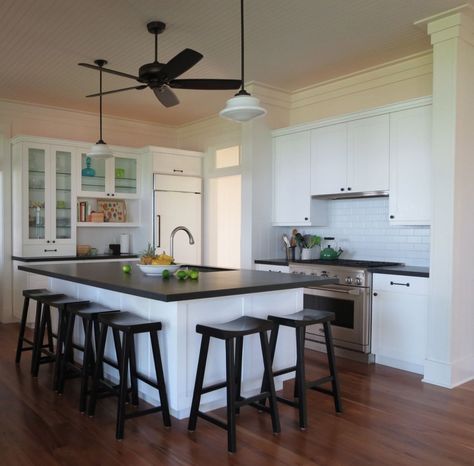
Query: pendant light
(242, 107)
(100, 150)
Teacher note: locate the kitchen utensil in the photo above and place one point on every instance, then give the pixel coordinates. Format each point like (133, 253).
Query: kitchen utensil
(286, 241)
(115, 248)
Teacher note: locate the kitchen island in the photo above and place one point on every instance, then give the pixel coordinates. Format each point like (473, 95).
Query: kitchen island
(215, 297)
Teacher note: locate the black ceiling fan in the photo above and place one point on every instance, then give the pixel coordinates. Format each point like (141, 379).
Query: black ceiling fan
(161, 77)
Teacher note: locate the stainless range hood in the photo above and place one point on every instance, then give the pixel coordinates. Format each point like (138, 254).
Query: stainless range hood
(352, 195)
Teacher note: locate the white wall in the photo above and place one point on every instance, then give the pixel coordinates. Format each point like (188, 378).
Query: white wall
(361, 227)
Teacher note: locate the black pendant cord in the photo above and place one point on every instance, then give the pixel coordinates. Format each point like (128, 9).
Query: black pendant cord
(242, 90)
(100, 106)
(156, 47)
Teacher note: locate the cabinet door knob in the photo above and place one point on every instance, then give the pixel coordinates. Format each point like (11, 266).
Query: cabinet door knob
(306, 218)
(47, 241)
(349, 188)
(392, 216)
(342, 189)
(376, 294)
(112, 194)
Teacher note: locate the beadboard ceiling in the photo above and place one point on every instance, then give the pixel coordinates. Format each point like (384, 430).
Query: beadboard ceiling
(290, 44)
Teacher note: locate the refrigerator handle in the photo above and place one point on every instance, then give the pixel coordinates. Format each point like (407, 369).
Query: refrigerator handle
(158, 230)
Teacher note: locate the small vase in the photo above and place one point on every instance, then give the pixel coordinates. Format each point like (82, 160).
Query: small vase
(305, 254)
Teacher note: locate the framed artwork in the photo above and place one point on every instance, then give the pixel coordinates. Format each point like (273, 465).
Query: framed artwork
(114, 211)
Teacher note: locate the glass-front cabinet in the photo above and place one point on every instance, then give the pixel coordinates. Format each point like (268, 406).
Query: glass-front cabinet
(115, 177)
(43, 199)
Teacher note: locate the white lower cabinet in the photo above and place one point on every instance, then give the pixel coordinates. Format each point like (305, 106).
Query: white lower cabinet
(399, 321)
(272, 268)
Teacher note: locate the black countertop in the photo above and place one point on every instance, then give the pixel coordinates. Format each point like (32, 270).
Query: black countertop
(408, 270)
(109, 275)
(272, 261)
(74, 258)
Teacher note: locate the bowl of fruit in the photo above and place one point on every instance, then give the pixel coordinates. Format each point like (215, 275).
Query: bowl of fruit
(155, 264)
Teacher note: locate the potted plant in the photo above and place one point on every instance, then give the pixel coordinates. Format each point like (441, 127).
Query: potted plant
(307, 243)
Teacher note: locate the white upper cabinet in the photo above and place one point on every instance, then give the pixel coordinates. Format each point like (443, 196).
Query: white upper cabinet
(410, 166)
(329, 159)
(176, 162)
(292, 204)
(350, 157)
(368, 154)
(43, 199)
(116, 177)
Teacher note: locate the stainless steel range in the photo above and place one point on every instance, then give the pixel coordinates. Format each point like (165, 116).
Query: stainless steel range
(350, 300)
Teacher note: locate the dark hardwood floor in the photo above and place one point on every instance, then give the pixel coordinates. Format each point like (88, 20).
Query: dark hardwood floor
(390, 418)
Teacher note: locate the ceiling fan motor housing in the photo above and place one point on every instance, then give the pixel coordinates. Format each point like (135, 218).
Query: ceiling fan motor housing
(149, 74)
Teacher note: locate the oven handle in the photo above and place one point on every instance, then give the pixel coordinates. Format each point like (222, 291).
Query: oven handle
(351, 291)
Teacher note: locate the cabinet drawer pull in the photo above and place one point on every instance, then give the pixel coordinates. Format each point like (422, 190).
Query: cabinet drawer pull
(177, 171)
(400, 284)
(50, 250)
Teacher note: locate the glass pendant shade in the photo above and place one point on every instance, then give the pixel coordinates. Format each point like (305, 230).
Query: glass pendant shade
(100, 150)
(242, 107)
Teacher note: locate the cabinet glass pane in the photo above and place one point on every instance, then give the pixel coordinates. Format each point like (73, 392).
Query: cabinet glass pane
(36, 193)
(125, 176)
(63, 195)
(92, 174)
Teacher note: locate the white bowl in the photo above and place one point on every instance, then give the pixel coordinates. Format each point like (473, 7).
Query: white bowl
(154, 270)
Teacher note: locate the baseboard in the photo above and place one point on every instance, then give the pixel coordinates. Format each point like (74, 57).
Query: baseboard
(398, 364)
(449, 374)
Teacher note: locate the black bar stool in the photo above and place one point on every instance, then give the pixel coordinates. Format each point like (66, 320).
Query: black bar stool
(61, 303)
(299, 321)
(89, 314)
(37, 295)
(233, 333)
(129, 325)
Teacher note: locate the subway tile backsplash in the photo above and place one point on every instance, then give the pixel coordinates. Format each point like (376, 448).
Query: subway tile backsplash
(361, 227)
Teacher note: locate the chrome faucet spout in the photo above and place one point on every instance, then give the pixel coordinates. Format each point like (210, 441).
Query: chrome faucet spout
(191, 238)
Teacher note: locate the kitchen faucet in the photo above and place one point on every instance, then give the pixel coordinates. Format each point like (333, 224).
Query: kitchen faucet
(191, 238)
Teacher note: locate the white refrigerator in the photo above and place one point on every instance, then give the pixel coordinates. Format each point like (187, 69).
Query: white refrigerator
(177, 202)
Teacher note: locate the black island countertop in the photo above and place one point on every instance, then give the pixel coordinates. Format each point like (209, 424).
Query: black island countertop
(110, 276)
(97, 257)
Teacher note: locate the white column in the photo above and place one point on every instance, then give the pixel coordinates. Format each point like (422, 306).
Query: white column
(450, 347)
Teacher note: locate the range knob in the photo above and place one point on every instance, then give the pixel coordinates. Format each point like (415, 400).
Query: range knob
(324, 274)
(358, 281)
(349, 280)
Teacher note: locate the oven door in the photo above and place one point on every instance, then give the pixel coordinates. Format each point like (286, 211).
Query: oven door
(351, 305)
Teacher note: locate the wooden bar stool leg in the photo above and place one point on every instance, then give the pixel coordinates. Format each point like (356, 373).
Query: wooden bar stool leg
(59, 348)
(301, 378)
(273, 341)
(96, 346)
(96, 378)
(133, 371)
(230, 379)
(332, 367)
(160, 378)
(201, 368)
(268, 374)
(88, 357)
(67, 342)
(238, 369)
(21, 335)
(36, 336)
(49, 330)
(123, 386)
(39, 338)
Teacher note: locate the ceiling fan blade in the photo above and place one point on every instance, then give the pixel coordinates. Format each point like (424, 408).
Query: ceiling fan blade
(206, 84)
(107, 70)
(142, 86)
(180, 63)
(166, 96)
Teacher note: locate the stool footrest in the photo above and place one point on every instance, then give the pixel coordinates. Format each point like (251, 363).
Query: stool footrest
(286, 370)
(143, 412)
(288, 402)
(315, 383)
(212, 420)
(252, 399)
(211, 388)
(323, 390)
